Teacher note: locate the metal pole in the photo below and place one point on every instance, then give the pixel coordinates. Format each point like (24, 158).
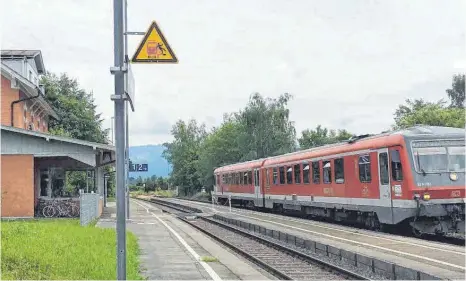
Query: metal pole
(105, 191)
(118, 71)
(112, 120)
(127, 113)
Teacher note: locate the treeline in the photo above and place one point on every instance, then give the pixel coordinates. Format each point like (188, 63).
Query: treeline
(263, 129)
(149, 184)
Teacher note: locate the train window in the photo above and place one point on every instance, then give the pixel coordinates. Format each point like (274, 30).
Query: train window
(282, 175)
(250, 177)
(245, 178)
(297, 173)
(241, 178)
(306, 173)
(256, 178)
(230, 178)
(397, 171)
(275, 176)
(316, 172)
(327, 171)
(383, 166)
(289, 175)
(267, 177)
(365, 168)
(339, 170)
(238, 177)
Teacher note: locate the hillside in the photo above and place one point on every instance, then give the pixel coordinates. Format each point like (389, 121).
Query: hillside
(152, 155)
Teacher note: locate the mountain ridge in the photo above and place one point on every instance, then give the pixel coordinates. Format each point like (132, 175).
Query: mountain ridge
(150, 154)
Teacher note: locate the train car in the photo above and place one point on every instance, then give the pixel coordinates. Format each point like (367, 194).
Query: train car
(240, 182)
(413, 177)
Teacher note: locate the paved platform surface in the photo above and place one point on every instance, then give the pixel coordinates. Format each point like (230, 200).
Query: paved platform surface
(438, 259)
(172, 250)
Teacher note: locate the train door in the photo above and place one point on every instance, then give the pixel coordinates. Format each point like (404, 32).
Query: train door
(384, 181)
(257, 188)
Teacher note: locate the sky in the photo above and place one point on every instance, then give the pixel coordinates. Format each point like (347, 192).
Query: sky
(348, 64)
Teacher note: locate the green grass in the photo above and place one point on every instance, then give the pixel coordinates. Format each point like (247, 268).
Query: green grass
(62, 249)
(159, 192)
(209, 259)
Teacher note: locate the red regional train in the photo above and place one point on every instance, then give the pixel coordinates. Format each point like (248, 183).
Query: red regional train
(413, 177)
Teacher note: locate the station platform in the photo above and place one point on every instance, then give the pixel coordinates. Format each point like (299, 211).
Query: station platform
(172, 250)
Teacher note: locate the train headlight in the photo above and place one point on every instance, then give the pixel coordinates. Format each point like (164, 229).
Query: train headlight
(453, 176)
(426, 196)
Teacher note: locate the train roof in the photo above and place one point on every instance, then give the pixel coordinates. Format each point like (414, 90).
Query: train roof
(241, 166)
(384, 139)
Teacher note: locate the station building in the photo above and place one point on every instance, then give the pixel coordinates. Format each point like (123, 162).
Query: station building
(33, 162)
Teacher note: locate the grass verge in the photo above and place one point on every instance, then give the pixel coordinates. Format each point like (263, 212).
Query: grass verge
(209, 259)
(62, 249)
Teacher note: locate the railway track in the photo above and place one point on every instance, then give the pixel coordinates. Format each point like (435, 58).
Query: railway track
(452, 240)
(281, 261)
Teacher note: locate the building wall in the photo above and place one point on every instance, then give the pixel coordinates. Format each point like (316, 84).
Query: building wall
(17, 185)
(8, 95)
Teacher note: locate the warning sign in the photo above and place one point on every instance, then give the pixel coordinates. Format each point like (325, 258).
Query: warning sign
(154, 48)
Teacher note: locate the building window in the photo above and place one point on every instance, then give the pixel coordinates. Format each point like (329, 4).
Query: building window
(339, 170)
(397, 171)
(275, 176)
(365, 168)
(316, 172)
(306, 173)
(327, 171)
(289, 175)
(282, 175)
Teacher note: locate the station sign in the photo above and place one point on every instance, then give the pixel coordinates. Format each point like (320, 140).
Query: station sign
(138, 167)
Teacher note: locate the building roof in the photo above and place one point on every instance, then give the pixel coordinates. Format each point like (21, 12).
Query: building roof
(27, 87)
(30, 54)
(49, 137)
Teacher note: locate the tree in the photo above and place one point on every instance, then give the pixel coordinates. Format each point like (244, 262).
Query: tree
(321, 136)
(77, 118)
(418, 111)
(75, 109)
(221, 147)
(183, 154)
(456, 93)
(267, 128)
(433, 114)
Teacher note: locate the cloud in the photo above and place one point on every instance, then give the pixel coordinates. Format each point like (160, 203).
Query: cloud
(348, 64)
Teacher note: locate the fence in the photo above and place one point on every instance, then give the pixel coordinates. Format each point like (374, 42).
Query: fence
(89, 207)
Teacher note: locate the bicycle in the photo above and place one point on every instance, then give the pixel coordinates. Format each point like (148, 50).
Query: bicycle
(53, 207)
(74, 208)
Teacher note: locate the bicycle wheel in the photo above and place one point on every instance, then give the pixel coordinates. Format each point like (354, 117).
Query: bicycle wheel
(68, 211)
(48, 211)
(75, 210)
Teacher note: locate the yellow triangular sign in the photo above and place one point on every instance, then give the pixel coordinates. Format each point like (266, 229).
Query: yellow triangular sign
(154, 48)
